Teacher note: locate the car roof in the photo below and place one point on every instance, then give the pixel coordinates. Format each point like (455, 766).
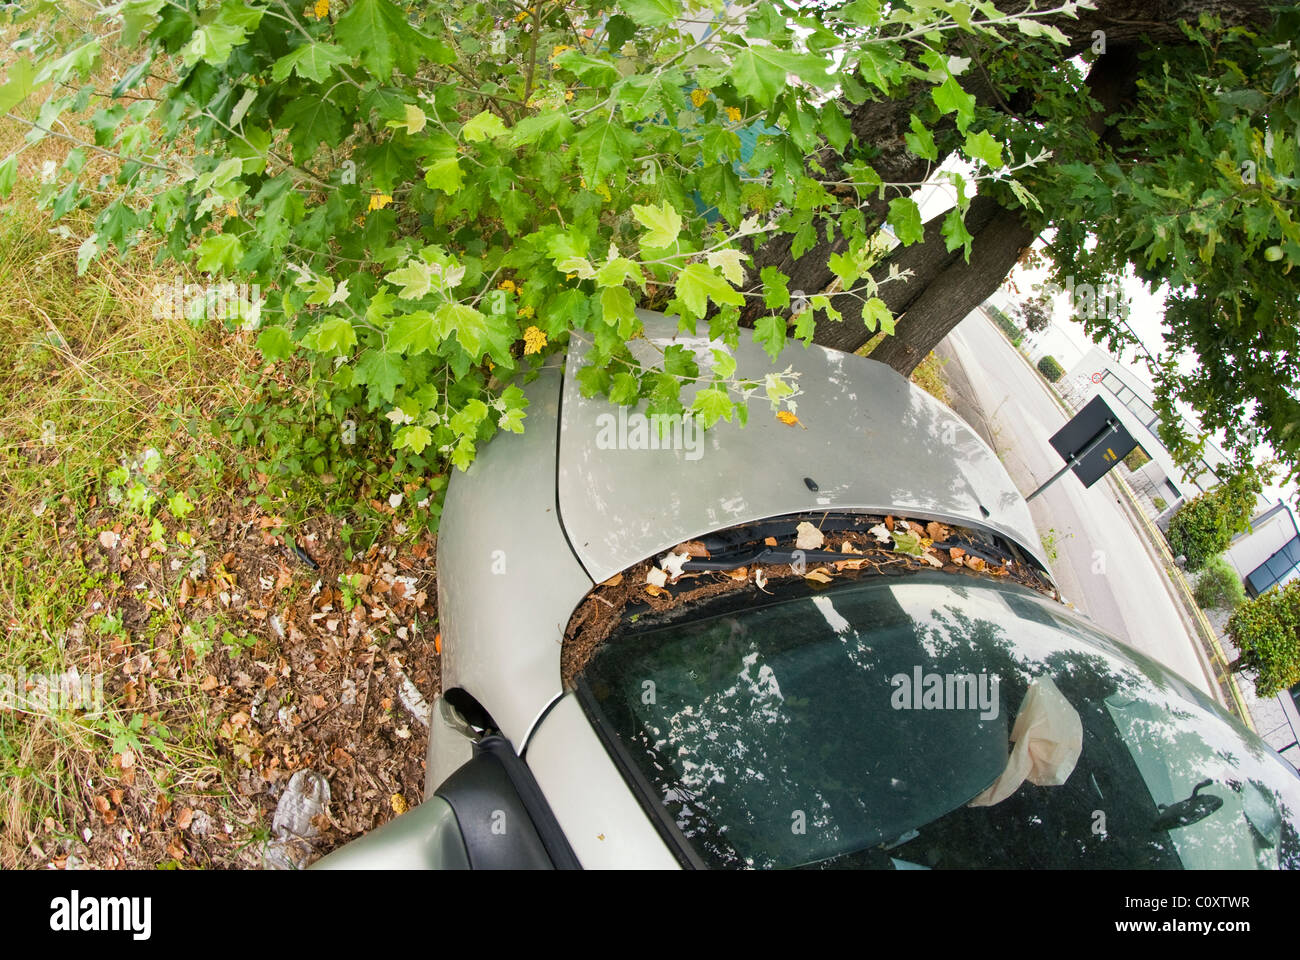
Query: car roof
(866, 440)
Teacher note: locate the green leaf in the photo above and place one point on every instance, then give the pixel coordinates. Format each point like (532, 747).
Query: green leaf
(624, 389)
(378, 32)
(920, 141)
(982, 146)
(711, 405)
(220, 252)
(652, 13)
(544, 128)
(312, 61)
(760, 72)
(698, 283)
(604, 149)
(470, 326)
(445, 175)
(310, 122)
(591, 70)
(381, 371)
(482, 126)
(776, 290)
(663, 224)
(845, 266)
(412, 437)
(770, 331)
(18, 85)
(275, 344)
(415, 279)
(414, 333)
(334, 334)
(955, 233)
(8, 175)
(949, 97)
(617, 307)
(876, 313)
(905, 220)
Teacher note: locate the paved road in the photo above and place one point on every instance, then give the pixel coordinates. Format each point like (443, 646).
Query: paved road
(1104, 566)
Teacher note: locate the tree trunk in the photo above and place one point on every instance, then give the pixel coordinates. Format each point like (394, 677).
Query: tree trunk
(1127, 25)
(926, 261)
(957, 290)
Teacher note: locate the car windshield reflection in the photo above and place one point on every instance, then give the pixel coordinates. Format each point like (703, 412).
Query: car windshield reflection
(930, 721)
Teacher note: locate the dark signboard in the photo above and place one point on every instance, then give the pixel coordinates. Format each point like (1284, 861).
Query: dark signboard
(1079, 438)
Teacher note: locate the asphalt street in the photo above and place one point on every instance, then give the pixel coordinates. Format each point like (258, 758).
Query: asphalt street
(1104, 567)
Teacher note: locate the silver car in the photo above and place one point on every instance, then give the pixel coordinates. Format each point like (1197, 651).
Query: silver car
(823, 641)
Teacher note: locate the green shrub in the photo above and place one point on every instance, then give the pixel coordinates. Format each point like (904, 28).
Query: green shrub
(1204, 527)
(1006, 325)
(1159, 503)
(1219, 586)
(1049, 368)
(1266, 632)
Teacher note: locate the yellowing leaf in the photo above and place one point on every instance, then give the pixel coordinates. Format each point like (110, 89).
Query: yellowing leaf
(663, 225)
(729, 261)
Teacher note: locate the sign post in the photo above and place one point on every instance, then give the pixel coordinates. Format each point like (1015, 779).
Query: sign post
(1091, 444)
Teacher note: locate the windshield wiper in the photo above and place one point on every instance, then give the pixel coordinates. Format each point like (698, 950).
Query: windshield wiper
(1184, 813)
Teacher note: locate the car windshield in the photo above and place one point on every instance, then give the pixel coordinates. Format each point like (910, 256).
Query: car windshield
(855, 725)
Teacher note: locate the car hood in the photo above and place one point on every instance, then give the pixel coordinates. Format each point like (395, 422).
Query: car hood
(866, 440)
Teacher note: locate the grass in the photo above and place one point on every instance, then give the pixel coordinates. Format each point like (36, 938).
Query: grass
(90, 379)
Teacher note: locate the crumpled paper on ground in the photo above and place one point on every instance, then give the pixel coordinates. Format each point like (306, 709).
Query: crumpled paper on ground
(1048, 738)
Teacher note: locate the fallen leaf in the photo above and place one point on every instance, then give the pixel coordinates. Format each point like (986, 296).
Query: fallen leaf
(820, 575)
(808, 537)
(889, 524)
(655, 591)
(656, 577)
(184, 817)
(740, 573)
(398, 803)
(956, 553)
(613, 581)
(208, 683)
(881, 533)
(847, 547)
(770, 541)
(909, 543)
(672, 564)
(187, 591)
(936, 531)
(693, 548)
(109, 540)
(789, 419)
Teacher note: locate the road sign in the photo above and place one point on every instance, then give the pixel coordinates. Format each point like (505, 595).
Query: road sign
(1090, 444)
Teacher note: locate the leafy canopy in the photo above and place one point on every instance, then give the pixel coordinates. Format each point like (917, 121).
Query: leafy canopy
(432, 197)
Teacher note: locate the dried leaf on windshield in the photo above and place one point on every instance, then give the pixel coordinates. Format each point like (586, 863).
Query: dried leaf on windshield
(808, 537)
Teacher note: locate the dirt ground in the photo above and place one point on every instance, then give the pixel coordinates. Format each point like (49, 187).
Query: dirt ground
(242, 649)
